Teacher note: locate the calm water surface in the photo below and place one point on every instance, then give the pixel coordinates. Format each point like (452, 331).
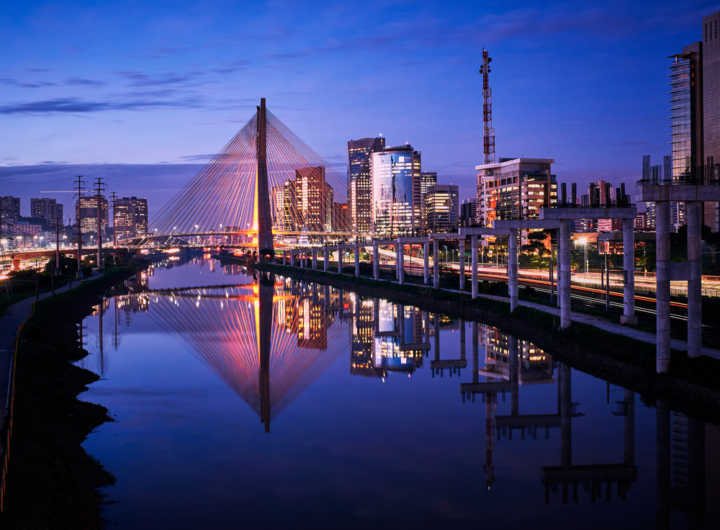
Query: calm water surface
(269, 403)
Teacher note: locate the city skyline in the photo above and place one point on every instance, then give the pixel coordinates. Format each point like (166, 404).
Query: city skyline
(150, 102)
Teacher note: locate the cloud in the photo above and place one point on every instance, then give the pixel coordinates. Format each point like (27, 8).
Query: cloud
(25, 84)
(80, 81)
(79, 106)
(141, 79)
(232, 67)
(202, 157)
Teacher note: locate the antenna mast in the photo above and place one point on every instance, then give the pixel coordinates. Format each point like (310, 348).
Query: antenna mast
(488, 131)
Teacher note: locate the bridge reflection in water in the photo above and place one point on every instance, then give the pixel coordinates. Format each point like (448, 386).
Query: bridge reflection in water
(268, 341)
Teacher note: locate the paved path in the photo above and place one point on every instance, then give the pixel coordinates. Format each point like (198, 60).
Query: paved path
(9, 324)
(600, 323)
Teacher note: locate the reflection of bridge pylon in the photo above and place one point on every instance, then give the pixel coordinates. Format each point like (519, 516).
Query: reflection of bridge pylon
(242, 335)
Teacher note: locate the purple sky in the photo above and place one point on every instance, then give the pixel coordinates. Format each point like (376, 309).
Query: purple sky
(139, 92)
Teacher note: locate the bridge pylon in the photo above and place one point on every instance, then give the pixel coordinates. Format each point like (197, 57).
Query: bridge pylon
(262, 192)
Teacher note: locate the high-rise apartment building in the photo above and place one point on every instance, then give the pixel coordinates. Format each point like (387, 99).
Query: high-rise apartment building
(49, 210)
(86, 212)
(428, 179)
(514, 188)
(395, 175)
(342, 220)
(359, 183)
(468, 212)
(441, 208)
(9, 214)
(314, 198)
(130, 217)
(304, 203)
(284, 207)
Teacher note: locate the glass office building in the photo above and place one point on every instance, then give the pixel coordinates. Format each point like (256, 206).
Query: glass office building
(394, 211)
(359, 182)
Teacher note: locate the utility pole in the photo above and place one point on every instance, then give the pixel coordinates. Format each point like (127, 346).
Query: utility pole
(80, 187)
(58, 220)
(114, 203)
(99, 188)
(488, 131)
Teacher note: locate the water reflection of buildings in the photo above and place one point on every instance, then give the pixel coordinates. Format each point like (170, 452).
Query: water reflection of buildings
(688, 469)
(386, 337)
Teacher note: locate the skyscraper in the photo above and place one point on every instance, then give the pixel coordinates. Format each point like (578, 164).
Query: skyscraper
(428, 179)
(441, 208)
(514, 188)
(86, 213)
(646, 167)
(342, 221)
(9, 214)
(47, 209)
(711, 94)
(695, 117)
(314, 198)
(359, 183)
(395, 174)
(468, 212)
(130, 217)
(686, 113)
(711, 111)
(284, 207)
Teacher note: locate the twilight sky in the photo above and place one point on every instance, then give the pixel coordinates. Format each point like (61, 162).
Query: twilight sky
(140, 92)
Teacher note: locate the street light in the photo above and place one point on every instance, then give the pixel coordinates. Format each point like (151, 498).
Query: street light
(583, 241)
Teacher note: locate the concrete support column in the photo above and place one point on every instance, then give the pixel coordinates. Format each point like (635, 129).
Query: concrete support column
(357, 259)
(461, 260)
(426, 262)
(512, 269)
(474, 264)
(376, 261)
(694, 256)
(400, 258)
(436, 263)
(326, 258)
(292, 258)
(628, 230)
(340, 259)
(662, 286)
(564, 274)
(284, 257)
(314, 258)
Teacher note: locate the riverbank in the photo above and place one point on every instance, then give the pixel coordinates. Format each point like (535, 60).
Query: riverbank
(692, 384)
(51, 481)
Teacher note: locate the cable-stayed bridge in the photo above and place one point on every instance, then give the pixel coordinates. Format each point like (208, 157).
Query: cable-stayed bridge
(265, 181)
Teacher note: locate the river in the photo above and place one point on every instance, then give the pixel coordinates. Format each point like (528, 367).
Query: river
(243, 402)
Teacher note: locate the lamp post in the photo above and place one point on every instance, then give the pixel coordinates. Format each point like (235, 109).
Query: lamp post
(583, 241)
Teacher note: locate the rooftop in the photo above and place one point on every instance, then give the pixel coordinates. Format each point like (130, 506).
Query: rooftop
(504, 162)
